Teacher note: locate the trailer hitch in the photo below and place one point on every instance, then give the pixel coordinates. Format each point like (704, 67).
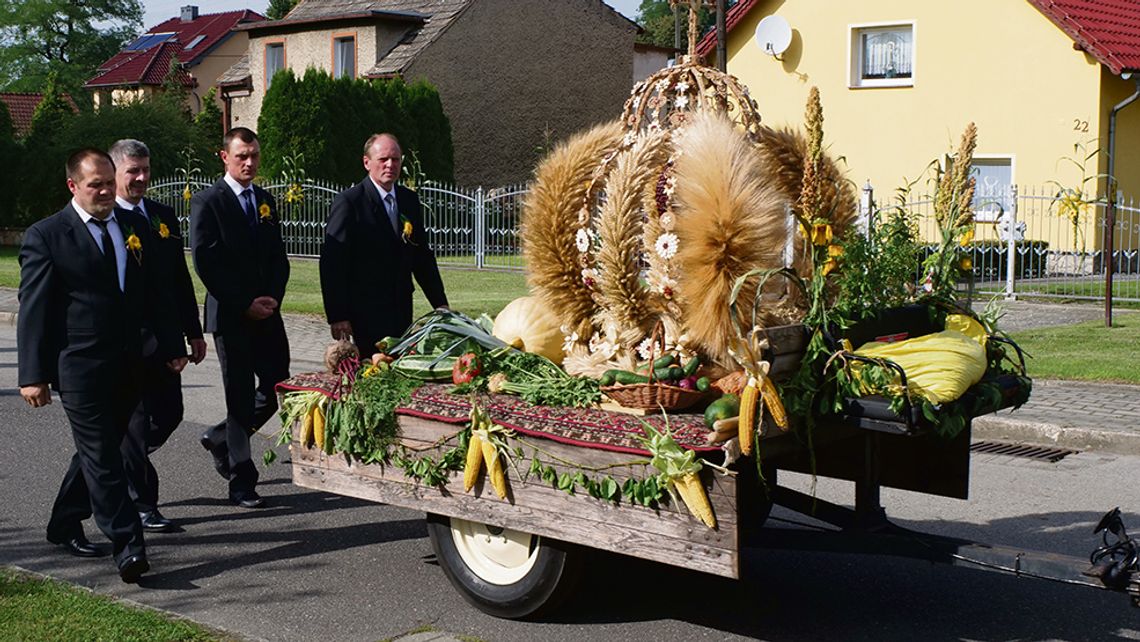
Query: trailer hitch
(1118, 558)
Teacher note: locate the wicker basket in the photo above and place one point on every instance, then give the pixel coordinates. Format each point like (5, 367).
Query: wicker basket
(651, 396)
(655, 394)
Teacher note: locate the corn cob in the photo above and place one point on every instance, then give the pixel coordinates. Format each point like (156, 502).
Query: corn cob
(474, 462)
(318, 427)
(693, 494)
(775, 406)
(306, 437)
(494, 469)
(749, 411)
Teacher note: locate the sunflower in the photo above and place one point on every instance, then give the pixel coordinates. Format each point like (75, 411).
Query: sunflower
(264, 212)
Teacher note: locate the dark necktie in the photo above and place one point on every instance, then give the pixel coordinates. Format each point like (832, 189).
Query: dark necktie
(250, 210)
(108, 249)
(139, 210)
(393, 215)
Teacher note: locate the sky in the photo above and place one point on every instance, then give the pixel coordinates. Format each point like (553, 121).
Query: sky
(156, 11)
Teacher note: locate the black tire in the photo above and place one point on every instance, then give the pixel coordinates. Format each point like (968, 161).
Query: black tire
(537, 586)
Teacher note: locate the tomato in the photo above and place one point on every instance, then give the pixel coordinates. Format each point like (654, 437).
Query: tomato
(466, 368)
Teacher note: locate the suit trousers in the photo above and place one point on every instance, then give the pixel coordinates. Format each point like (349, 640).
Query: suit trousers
(95, 482)
(255, 350)
(154, 419)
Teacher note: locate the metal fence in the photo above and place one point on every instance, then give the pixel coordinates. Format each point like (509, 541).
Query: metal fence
(469, 228)
(1031, 243)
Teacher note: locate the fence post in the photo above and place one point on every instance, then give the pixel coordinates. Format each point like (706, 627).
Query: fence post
(480, 228)
(866, 221)
(1011, 247)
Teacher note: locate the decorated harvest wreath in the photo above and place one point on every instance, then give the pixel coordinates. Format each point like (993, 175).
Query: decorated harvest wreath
(669, 252)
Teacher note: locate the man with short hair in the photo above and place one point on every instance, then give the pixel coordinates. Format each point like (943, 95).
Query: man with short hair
(374, 244)
(235, 239)
(160, 410)
(85, 295)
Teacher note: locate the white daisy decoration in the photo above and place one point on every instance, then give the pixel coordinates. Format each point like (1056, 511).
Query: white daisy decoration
(582, 240)
(682, 87)
(662, 85)
(636, 102)
(681, 102)
(666, 246)
(645, 349)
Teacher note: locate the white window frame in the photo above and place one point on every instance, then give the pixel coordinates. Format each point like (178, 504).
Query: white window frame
(855, 78)
(986, 216)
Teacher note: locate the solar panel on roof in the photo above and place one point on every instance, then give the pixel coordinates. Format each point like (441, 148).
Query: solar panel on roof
(146, 41)
(194, 42)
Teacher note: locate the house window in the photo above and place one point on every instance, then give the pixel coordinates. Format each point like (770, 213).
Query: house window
(882, 55)
(992, 179)
(274, 60)
(344, 57)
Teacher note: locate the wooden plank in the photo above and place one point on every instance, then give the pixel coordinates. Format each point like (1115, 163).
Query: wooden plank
(691, 545)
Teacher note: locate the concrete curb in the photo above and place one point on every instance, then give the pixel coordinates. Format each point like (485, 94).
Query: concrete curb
(1060, 435)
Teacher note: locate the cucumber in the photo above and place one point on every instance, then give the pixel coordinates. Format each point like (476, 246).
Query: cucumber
(703, 384)
(608, 378)
(692, 365)
(669, 373)
(626, 377)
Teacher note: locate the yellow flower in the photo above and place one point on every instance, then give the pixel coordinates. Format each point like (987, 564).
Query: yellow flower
(370, 371)
(407, 229)
(133, 243)
(186, 193)
(829, 266)
(264, 211)
(163, 231)
(966, 264)
(820, 234)
(834, 251)
(967, 238)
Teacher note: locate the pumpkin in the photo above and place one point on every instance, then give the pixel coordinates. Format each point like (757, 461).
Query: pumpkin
(528, 325)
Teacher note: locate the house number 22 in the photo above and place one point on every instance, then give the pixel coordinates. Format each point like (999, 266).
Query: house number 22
(1080, 125)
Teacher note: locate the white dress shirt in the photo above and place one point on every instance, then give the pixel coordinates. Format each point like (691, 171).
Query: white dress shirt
(130, 207)
(394, 213)
(117, 238)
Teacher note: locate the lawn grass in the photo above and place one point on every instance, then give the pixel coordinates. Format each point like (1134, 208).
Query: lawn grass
(39, 609)
(1086, 351)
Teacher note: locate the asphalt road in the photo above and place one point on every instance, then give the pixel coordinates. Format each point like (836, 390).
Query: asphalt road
(317, 566)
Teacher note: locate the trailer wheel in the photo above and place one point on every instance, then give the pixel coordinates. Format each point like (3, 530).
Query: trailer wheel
(502, 572)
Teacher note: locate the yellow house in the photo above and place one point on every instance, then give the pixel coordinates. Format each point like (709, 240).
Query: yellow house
(900, 80)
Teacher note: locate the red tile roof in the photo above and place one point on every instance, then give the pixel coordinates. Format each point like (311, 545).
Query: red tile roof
(21, 106)
(142, 63)
(1109, 30)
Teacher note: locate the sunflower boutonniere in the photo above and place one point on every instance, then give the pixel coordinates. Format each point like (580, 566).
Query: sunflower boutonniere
(265, 213)
(406, 229)
(133, 243)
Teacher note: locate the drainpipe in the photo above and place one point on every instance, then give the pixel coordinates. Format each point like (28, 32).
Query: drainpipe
(721, 38)
(1110, 217)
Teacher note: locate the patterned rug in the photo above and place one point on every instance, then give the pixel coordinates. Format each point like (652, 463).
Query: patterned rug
(587, 427)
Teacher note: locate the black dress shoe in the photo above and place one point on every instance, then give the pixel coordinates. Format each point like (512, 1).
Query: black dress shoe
(132, 568)
(247, 499)
(154, 522)
(220, 453)
(79, 546)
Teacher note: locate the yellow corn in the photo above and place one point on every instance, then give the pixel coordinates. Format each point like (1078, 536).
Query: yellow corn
(775, 406)
(749, 400)
(306, 437)
(693, 494)
(474, 462)
(494, 469)
(319, 427)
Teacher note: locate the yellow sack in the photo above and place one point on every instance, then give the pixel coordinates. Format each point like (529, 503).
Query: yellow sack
(939, 366)
(968, 326)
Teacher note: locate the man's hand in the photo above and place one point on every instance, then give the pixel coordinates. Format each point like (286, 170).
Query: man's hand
(197, 350)
(176, 365)
(341, 330)
(36, 395)
(261, 308)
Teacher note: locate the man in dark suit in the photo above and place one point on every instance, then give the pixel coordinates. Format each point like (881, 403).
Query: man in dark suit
(85, 290)
(161, 408)
(235, 239)
(374, 243)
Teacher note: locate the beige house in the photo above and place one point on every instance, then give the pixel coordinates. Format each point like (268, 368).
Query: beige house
(512, 75)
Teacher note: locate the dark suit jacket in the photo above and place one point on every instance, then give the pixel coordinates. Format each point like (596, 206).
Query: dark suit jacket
(176, 277)
(76, 329)
(236, 264)
(367, 269)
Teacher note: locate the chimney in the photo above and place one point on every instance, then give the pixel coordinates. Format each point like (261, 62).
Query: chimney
(189, 13)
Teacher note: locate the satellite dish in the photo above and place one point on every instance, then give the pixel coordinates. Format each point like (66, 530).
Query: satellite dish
(773, 35)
